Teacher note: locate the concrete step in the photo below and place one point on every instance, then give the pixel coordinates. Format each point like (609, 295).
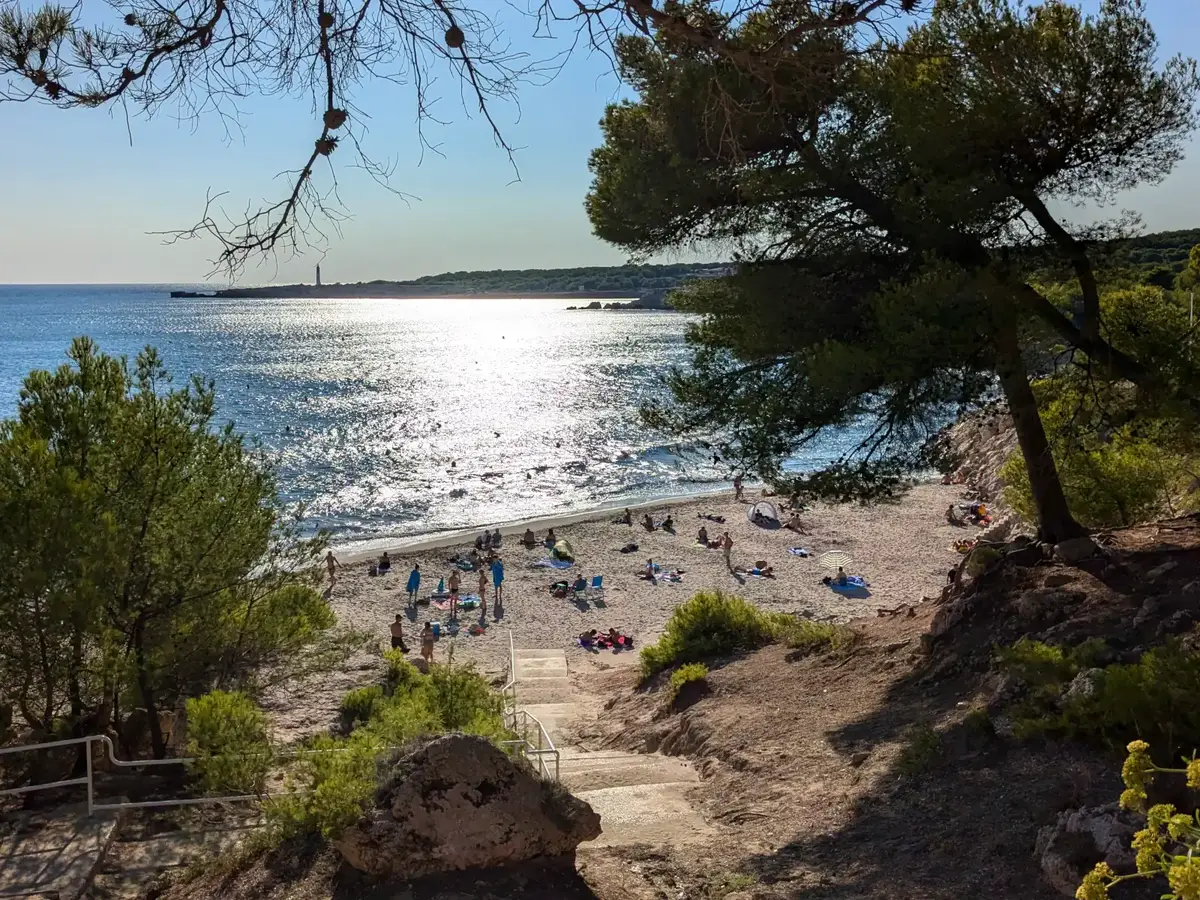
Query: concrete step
(59, 856)
(540, 664)
(548, 690)
(539, 654)
(613, 769)
(553, 716)
(645, 814)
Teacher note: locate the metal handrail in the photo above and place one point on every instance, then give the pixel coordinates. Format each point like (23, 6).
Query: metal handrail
(518, 720)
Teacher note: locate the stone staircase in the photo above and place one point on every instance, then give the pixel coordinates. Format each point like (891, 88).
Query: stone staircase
(641, 797)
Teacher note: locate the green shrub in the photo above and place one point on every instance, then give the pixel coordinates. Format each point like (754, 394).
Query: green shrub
(335, 779)
(228, 741)
(359, 704)
(400, 674)
(1157, 698)
(714, 624)
(921, 751)
(710, 624)
(804, 634)
(686, 674)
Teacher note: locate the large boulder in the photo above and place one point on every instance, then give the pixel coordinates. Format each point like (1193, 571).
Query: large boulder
(1079, 839)
(459, 803)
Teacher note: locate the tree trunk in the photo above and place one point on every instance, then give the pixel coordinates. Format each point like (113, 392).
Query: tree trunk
(1055, 522)
(157, 743)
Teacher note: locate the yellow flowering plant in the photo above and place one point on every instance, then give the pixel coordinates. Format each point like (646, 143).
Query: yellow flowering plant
(1169, 845)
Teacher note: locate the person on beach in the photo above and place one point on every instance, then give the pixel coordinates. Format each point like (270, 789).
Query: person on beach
(385, 563)
(427, 642)
(414, 584)
(648, 522)
(650, 576)
(331, 563)
(702, 536)
(580, 584)
(454, 583)
(551, 538)
(737, 487)
(397, 629)
(498, 582)
(529, 538)
(841, 577)
(795, 524)
(668, 523)
(483, 580)
(727, 547)
(626, 517)
(496, 539)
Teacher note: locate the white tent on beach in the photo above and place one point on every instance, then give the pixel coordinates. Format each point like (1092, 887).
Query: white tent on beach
(764, 508)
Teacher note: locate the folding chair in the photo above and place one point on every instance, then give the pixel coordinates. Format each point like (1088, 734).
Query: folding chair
(597, 587)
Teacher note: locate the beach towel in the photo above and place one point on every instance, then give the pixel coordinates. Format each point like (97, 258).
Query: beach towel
(797, 551)
(414, 582)
(551, 564)
(855, 586)
(758, 573)
(497, 573)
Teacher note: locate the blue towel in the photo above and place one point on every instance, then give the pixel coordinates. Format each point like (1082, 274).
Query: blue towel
(414, 581)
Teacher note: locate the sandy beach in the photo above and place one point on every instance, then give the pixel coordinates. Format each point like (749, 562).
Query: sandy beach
(901, 548)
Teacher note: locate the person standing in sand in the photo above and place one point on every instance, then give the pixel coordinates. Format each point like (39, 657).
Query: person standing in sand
(483, 579)
(737, 487)
(498, 582)
(427, 642)
(454, 583)
(397, 629)
(727, 549)
(331, 563)
(414, 584)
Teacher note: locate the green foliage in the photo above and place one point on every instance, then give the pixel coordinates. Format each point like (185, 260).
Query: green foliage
(150, 557)
(713, 624)
(228, 741)
(336, 777)
(1154, 699)
(686, 674)
(921, 751)
(400, 672)
(710, 624)
(1168, 847)
(634, 279)
(359, 704)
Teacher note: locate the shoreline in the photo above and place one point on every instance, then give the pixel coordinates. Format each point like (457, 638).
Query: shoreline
(437, 540)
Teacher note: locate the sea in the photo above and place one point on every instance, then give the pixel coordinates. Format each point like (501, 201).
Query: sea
(392, 419)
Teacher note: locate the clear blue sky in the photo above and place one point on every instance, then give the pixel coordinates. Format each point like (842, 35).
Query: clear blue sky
(80, 199)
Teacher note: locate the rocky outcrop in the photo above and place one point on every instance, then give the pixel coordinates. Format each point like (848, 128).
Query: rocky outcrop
(460, 803)
(1079, 839)
(973, 450)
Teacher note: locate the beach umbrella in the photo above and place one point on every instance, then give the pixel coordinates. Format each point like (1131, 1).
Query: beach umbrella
(833, 559)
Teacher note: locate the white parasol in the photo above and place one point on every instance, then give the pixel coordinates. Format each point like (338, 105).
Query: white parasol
(833, 559)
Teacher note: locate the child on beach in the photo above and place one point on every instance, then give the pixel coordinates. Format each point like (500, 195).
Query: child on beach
(483, 580)
(414, 584)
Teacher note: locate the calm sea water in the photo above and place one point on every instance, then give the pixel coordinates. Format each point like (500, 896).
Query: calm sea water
(392, 418)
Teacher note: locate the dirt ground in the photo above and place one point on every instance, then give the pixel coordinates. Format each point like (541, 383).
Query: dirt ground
(870, 775)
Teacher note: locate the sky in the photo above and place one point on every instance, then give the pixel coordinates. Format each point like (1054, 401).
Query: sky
(85, 189)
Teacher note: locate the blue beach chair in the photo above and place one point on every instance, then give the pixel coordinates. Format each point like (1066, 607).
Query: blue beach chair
(596, 589)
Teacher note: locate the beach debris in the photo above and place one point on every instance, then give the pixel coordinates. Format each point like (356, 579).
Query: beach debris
(460, 803)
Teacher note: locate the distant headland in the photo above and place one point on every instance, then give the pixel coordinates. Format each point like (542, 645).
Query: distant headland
(645, 287)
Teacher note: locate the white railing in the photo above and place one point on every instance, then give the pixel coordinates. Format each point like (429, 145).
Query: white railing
(533, 741)
(89, 778)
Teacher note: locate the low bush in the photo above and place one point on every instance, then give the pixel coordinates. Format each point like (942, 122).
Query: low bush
(686, 674)
(336, 777)
(400, 672)
(359, 704)
(921, 751)
(229, 743)
(1156, 699)
(713, 624)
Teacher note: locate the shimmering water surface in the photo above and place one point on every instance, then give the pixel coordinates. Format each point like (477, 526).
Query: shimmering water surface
(399, 417)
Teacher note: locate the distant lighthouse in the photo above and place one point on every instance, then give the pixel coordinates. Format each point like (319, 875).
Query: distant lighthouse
(318, 274)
